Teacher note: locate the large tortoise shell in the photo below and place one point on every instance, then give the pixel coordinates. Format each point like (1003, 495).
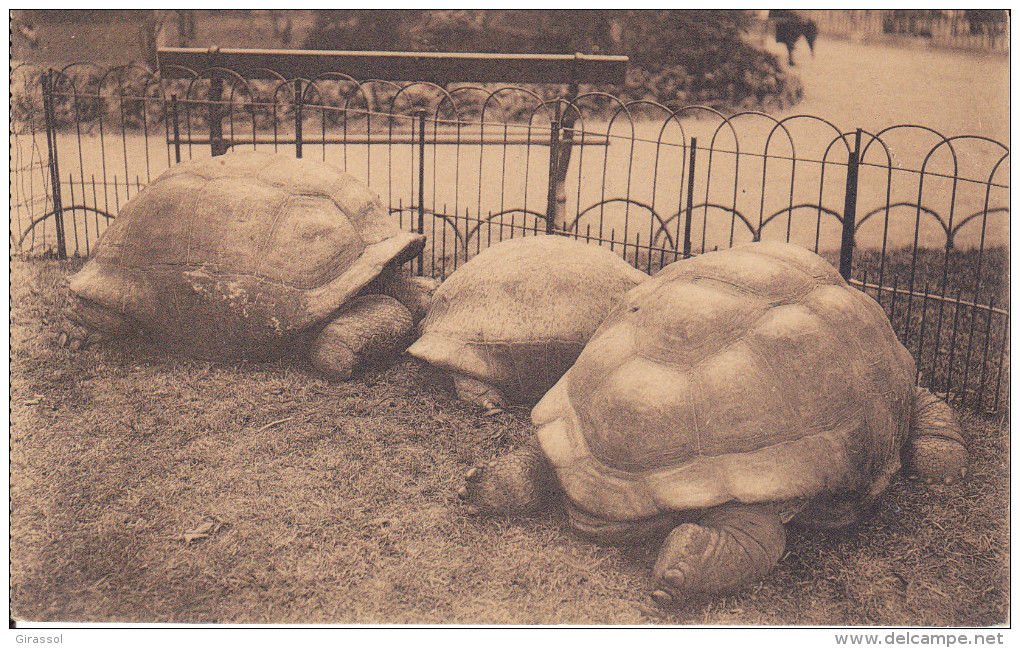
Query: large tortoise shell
(754, 374)
(517, 315)
(250, 244)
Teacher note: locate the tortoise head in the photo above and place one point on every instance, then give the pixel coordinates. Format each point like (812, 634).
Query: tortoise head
(98, 318)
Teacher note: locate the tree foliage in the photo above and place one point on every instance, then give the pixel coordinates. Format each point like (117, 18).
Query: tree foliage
(363, 29)
(677, 56)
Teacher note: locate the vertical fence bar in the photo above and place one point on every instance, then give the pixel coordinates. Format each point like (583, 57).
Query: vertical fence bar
(421, 185)
(690, 198)
(174, 115)
(554, 175)
(952, 343)
(846, 250)
(984, 357)
(970, 347)
(95, 203)
(298, 117)
(924, 321)
(74, 222)
(442, 261)
(1002, 360)
(216, 141)
(51, 145)
(892, 302)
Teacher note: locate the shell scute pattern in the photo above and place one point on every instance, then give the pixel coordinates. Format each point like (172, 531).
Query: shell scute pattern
(517, 315)
(688, 321)
(745, 275)
(217, 213)
(488, 299)
(643, 395)
(764, 379)
(882, 369)
(131, 243)
(214, 214)
(808, 368)
(308, 244)
(358, 203)
(239, 164)
(613, 344)
(807, 262)
(228, 256)
(738, 380)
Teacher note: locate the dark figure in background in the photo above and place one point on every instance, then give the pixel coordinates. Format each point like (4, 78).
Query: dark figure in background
(790, 27)
(29, 32)
(283, 26)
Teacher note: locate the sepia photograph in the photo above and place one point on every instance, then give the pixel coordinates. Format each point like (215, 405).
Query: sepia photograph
(497, 318)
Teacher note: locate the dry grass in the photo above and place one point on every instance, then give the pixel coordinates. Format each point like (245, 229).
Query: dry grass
(334, 503)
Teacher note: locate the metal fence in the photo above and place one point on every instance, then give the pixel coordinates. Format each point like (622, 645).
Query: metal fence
(915, 219)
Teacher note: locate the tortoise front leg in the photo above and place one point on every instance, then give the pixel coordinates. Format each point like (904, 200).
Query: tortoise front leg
(480, 393)
(730, 546)
(371, 330)
(520, 482)
(415, 293)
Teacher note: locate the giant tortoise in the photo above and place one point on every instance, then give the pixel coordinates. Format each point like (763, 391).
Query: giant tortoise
(726, 396)
(510, 321)
(246, 254)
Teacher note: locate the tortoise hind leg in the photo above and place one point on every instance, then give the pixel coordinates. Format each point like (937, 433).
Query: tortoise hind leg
(935, 449)
(730, 546)
(517, 483)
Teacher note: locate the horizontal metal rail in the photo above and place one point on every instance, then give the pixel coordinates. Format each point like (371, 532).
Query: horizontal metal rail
(929, 296)
(398, 139)
(432, 67)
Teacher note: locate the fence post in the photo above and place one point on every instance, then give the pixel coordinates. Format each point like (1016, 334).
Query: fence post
(421, 185)
(177, 127)
(551, 208)
(690, 197)
(51, 146)
(565, 138)
(216, 141)
(846, 250)
(299, 94)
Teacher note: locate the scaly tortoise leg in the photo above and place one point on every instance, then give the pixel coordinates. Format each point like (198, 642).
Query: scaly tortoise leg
(730, 545)
(517, 483)
(935, 449)
(372, 329)
(480, 393)
(415, 293)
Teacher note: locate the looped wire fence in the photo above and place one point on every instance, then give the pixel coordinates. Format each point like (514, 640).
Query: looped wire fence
(916, 219)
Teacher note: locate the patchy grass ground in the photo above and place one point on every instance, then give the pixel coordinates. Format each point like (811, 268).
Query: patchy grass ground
(146, 488)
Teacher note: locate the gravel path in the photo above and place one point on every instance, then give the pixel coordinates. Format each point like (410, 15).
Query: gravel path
(873, 86)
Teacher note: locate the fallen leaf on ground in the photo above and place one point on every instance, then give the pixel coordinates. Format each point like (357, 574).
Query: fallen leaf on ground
(203, 530)
(191, 537)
